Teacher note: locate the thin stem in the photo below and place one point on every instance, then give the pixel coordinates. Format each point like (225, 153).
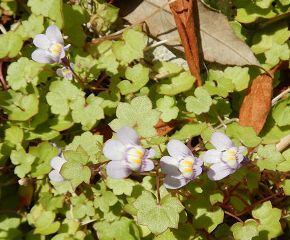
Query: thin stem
(158, 184)
(2, 79)
(278, 97)
(65, 61)
(234, 216)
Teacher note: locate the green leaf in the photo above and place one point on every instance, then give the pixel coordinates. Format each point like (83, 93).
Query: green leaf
(269, 157)
(105, 201)
(246, 135)
(131, 47)
(189, 130)
(248, 12)
(121, 229)
(74, 18)
(281, 113)
(76, 173)
(9, 228)
(139, 114)
(167, 107)
(43, 154)
(240, 77)
(276, 54)
(87, 111)
(82, 207)
(79, 155)
(10, 45)
(23, 162)
(25, 71)
(60, 94)
(246, 230)
(137, 76)
(42, 220)
(204, 215)
(266, 38)
(158, 218)
(200, 102)
(269, 219)
(51, 9)
(176, 84)
(14, 135)
(263, 3)
(91, 143)
(31, 27)
(286, 187)
(18, 106)
(121, 186)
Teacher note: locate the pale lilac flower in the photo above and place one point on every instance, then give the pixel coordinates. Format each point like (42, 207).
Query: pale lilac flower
(225, 159)
(65, 72)
(56, 164)
(181, 166)
(127, 155)
(50, 46)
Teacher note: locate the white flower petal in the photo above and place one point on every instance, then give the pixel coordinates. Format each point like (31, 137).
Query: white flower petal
(41, 41)
(221, 141)
(174, 183)
(114, 150)
(117, 169)
(219, 171)
(147, 165)
(41, 56)
(57, 162)
(55, 176)
(178, 149)
(53, 33)
(169, 165)
(127, 136)
(212, 156)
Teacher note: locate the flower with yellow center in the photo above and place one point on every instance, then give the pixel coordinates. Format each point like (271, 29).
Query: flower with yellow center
(56, 49)
(181, 166)
(186, 166)
(135, 156)
(127, 154)
(225, 159)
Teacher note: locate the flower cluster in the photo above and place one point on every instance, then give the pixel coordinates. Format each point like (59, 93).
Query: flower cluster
(180, 167)
(51, 49)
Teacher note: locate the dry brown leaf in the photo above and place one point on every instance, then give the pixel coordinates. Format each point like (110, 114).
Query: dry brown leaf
(219, 42)
(257, 103)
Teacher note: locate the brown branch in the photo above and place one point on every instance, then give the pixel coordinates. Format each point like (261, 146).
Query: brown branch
(2, 79)
(185, 14)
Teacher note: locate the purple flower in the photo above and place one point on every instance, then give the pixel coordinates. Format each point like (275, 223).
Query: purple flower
(50, 45)
(127, 155)
(65, 72)
(225, 159)
(181, 166)
(56, 164)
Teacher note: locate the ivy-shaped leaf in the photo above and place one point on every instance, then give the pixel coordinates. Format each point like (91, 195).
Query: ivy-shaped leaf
(23, 162)
(200, 102)
(139, 114)
(167, 107)
(158, 218)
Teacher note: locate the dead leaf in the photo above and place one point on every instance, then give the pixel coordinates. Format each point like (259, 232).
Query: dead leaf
(219, 42)
(186, 19)
(257, 103)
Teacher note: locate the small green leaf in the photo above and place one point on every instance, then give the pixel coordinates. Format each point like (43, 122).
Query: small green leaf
(121, 186)
(286, 187)
(158, 218)
(137, 76)
(10, 45)
(23, 162)
(167, 107)
(14, 135)
(269, 157)
(87, 111)
(269, 219)
(246, 230)
(246, 135)
(281, 113)
(139, 114)
(176, 84)
(200, 103)
(131, 47)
